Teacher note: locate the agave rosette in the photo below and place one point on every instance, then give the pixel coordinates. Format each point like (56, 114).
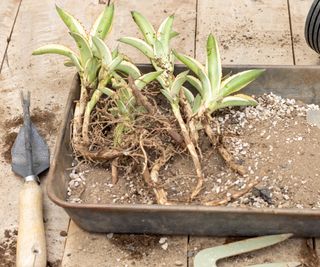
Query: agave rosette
(214, 92)
(156, 47)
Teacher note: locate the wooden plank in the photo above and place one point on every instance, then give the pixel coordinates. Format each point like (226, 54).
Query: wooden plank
(48, 80)
(304, 55)
(249, 32)
(81, 245)
(8, 12)
(84, 249)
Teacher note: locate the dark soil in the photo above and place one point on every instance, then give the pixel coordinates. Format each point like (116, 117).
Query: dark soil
(8, 248)
(45, 121)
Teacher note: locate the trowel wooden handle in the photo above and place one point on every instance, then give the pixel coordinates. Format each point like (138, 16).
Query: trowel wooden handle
(31, 244)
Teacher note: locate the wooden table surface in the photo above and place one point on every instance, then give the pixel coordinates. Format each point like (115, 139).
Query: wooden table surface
(249, 32)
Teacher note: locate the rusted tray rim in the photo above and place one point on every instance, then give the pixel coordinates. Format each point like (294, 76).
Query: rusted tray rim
(170, 208)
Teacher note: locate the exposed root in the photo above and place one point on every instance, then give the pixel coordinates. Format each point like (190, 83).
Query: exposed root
(160, 162)
(152, 179)
(146, 177)
(161, 196)
(76, 129)
(114, 171)
(191, 121)
(192, 151)
(102, 155)
(230, 161)
(143, 101)
(78, 113)
(233, 197)
(87, 115)
(217, 141)
(148, 140)
(209, 132)
(194, 135)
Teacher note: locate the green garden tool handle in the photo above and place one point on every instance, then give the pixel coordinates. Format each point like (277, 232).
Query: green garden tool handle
(31, 243)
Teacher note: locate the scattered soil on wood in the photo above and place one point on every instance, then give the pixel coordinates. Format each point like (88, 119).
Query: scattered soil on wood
(309, 256)
(137, 246)
(272, 141)
(8, 248)
(44, 120)
(56, 263)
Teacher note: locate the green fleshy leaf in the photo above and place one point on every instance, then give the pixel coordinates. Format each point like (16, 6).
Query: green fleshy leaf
(84, 47)
(235, 100)
(189, 95)
(53, 49)
(213, 64)
(167, 95)
(173, 34)
(72, 23)
(238, 81)
(59, 50)
(129, 69)
(68, 63)
(147, 78)
(140, 45)
(164, 32)
(158, 49)
(145, 27)
(115, 62)
(91, 70)
(107, 91)
(196, 83)
(177, 83)
(196, 104)
(163, 83)
(198, 69)
(122, 107)
(103, 24)
(115, 52)
(103, 51)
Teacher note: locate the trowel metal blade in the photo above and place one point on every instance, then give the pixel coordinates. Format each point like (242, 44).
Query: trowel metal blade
(40, 153)
(313, 117)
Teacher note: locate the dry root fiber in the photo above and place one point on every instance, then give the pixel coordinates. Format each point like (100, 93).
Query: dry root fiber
(147, 139)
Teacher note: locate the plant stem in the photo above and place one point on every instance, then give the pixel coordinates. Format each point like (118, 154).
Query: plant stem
(89, 107)
(86, 120)
(191, 148)
(152, 110)
(114, 171)
(79, 111)
(191, 123)
(217, 142)
(233, 196)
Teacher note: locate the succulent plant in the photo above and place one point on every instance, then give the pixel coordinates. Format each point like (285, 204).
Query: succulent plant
(213, 92)
(96, 65)
(111, 73)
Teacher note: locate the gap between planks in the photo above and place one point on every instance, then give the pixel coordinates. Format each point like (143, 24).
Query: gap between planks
(4, 57)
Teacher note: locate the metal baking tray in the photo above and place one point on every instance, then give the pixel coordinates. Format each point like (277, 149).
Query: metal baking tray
(299, 82)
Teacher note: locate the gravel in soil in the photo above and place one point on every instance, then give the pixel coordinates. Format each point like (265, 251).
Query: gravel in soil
(272, 141)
